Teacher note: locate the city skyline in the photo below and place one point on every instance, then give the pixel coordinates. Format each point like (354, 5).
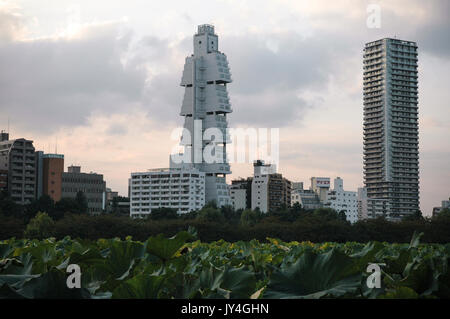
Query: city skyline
(319, 86)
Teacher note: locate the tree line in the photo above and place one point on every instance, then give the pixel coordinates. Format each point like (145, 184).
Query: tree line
(43, 218)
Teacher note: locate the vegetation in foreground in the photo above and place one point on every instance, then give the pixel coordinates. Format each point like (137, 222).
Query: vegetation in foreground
(179, 267)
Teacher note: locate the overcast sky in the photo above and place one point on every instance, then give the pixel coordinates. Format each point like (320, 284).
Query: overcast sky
(101, 80)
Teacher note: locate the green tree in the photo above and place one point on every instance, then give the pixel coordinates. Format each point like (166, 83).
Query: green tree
(40, 227)
(210, 214)
(342, 216)
(43, 204)
(417, 216)
(250, 217)
(163, 213)
(8, 207)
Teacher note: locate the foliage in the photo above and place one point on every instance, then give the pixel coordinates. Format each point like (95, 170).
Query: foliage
(163, 213)
(250, 217)
(178, 267)
(41, 226)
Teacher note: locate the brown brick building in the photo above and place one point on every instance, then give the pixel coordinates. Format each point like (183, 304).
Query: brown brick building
(53, 168)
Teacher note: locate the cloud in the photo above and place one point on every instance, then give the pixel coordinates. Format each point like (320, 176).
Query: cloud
(52, 82)
(110, 88)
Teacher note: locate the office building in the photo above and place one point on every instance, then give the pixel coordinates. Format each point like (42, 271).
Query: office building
(180, 189)
(205, 106)
(18, 159)
(391, 146)
(270, 190)
(91, 184)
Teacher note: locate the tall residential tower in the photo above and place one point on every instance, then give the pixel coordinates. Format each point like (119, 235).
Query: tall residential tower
(391, 144)
(205, 106)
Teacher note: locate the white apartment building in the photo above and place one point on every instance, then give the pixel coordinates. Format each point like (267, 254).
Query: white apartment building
(260, 185)
(181, 189)
(238, 197)
(342, 200)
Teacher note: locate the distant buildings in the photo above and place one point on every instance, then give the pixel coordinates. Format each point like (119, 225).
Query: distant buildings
(307, 198)
(342, 200)
(391, 146)
(241, 193)
(270, 190)
(320, 185)
(321, 196)
(50, 168)
(116, 204)
(91, 184)
(18, 159)
(437, 210)
(180, 189)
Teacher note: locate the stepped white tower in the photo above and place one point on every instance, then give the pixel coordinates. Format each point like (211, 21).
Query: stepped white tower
(205, 108)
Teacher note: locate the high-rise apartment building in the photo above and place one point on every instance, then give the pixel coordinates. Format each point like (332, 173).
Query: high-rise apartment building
(205, 106)
(391, 145)
(18, 159)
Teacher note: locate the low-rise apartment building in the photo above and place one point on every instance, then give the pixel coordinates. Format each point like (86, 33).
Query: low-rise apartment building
(182, 189)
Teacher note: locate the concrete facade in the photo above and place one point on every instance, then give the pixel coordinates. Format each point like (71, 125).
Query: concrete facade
(205, 106)
(241, 193)
(91, 184)
(391, 148)
(53, 168)
(342, 200)
(17, 157)
(180, 189)
(270, 190)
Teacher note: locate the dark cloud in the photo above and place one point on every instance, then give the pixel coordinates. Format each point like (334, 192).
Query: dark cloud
(54, 82)
(49, 83)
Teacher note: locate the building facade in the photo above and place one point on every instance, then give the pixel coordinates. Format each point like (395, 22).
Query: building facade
(180, 189)
(270, 190)
(391, 148)
(321, 186)
(205, 106)
(91, 184)
(3, 180)
(342, 200)
(17, 157)
(445, 205)
(307, 198)
(52, 169)
(241, 193)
